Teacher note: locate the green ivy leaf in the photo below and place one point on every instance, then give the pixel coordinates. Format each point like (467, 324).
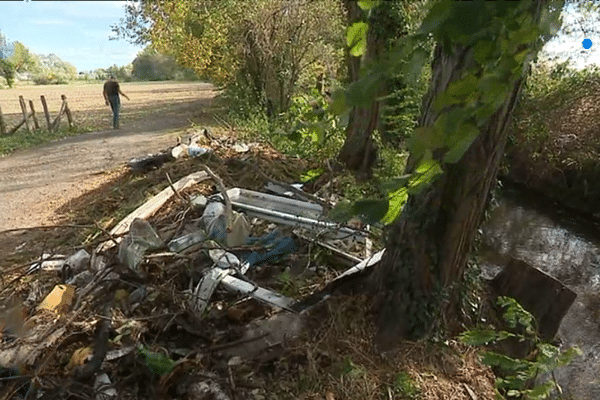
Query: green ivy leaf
(413, 67)
(540, 392)
(464, 87)
(341, 212)
(500, 360)
(479, 337)
(356, 37)
(311, 174)
(439, 13)
(482, 50)
(396, 183)
(520, 57)
(397, 200)
(371, 211)
(158, 363)
(338, 102)
(367, 4)
(426, 172)
(424, 138)
(468, 133)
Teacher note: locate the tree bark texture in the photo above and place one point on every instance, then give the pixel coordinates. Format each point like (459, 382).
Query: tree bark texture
(359, 153)
(427, 247)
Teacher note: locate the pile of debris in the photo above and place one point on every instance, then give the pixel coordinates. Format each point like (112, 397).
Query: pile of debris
(172, 305)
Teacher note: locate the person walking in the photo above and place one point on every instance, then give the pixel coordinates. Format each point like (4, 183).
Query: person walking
(111, 97)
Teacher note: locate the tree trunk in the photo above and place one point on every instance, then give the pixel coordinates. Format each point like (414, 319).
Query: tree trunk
(359, 152)
(427, 247)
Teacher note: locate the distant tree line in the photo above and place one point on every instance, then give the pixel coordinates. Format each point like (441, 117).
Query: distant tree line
(17, 62)
(148, 65)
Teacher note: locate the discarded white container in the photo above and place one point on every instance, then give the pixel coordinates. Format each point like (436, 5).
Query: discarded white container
(141, 238)
(199, 201)
(104, 388)
(180, 151)
(197, 151)
(47, 263)
(78, 261)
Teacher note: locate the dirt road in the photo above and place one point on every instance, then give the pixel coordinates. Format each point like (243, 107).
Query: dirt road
(35, 182)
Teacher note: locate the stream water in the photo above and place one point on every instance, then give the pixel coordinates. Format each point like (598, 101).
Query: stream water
(567, 247)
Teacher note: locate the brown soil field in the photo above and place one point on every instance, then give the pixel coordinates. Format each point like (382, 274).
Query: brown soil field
(87, 104)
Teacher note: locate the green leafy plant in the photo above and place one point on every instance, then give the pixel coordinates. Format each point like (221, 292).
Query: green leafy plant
(159, 364)
(406, 387)
(517, 374)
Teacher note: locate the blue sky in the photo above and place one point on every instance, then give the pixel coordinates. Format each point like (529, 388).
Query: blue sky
(76, 31)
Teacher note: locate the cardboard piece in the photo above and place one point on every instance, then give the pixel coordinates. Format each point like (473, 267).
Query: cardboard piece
(59, 299)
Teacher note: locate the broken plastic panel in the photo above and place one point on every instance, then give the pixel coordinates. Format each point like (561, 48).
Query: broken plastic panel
(369, 262)
(78, 261)
(206, 288)
(274, 299)
(141, 238)
(274, 188)
(197, 151)
(226, 260)
(286, 211)
(181, 243)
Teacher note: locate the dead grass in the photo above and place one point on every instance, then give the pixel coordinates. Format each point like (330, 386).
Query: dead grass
(336, 360)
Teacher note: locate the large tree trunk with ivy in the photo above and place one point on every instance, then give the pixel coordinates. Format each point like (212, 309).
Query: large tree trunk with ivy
(422, 270)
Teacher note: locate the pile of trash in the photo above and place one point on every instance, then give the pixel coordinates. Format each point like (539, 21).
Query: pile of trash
(176, 306)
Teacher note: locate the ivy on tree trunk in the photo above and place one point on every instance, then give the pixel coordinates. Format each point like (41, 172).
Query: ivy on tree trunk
(427, 247)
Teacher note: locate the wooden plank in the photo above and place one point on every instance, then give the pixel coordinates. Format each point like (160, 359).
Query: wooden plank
(35, 121)
(24, 111)
(13, 130)
(2, 123)
(545, 297)
(56, 122)
(150, 207)
(46, 113)
(67, 111)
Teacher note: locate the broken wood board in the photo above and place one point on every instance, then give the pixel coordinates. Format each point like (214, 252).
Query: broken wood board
(543, 296)
(150, 207)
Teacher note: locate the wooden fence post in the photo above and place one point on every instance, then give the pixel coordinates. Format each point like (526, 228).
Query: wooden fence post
(35, 121)
(60, 113)
(46, 113)
(13, 130)
(67, 111)
(24, 110)
(2, 124)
